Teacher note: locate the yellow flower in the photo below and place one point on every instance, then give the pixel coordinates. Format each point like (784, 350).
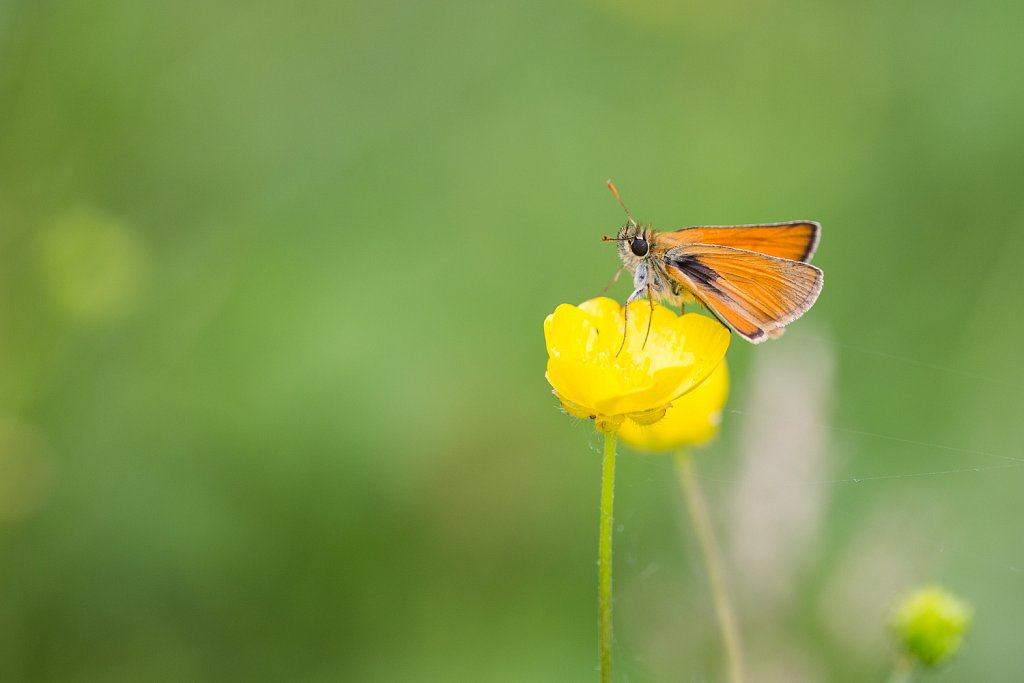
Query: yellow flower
(691, 420)
(592, 379)
(930, 624)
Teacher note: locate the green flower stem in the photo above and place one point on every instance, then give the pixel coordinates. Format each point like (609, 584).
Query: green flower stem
(903, 671)
(604, 559)
(713, 564)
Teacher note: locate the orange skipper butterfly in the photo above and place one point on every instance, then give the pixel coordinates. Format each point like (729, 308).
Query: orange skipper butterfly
(756, 278)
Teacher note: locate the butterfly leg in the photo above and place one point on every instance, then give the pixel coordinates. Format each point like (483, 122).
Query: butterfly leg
(679, 298)
(635, 296)
(625, 326)
(614, 280)
(640, 285)
(650, 317)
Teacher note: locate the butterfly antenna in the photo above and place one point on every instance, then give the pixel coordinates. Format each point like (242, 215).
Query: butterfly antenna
(611, 186)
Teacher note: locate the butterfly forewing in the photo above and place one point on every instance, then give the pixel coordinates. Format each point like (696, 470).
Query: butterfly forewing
(757, 294)
(795, 240)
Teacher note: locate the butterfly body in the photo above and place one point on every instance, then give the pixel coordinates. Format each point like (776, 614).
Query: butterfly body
(756, 278)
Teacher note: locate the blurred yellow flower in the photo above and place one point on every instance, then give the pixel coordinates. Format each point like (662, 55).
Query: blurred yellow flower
(691, 420)
(592, 379)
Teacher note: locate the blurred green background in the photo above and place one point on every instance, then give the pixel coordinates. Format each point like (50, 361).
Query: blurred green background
(272, 283)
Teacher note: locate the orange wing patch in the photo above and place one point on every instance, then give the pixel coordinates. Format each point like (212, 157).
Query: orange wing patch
(756, 294)
(796, 240)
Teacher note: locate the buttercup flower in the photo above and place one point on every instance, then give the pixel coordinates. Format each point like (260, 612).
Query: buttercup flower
(613, 373)
(930, 624)
(691, 420)
(593, 379)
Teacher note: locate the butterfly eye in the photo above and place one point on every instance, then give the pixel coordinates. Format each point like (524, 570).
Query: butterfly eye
(639, 246)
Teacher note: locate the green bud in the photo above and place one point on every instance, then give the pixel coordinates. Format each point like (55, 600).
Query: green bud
(930, 624)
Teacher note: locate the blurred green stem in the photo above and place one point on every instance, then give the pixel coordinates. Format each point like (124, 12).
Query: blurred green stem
(903, 671)
(604, 559)
(713, 564)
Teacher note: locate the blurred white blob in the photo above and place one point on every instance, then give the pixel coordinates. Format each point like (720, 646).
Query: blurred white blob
(92, 264)
(26, 472)
(779, 497)
(892, 552)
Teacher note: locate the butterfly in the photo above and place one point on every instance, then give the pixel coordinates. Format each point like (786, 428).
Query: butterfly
(755, 278)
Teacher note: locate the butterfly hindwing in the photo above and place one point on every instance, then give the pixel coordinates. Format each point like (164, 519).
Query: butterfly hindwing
(756, 293)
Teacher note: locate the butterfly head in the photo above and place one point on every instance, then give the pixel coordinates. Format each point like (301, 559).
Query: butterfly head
(633, 238)
(634, 243)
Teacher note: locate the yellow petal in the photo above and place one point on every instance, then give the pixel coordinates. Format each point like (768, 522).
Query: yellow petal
(691, 420)
(604, 309)
(568, 331)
